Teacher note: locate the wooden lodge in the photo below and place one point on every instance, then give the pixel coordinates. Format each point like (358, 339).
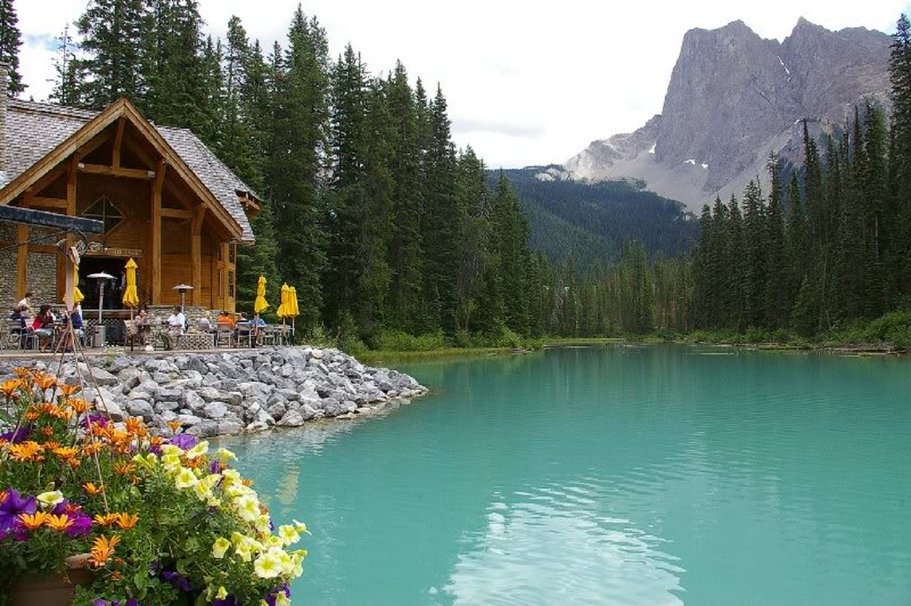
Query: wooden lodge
(166, 201)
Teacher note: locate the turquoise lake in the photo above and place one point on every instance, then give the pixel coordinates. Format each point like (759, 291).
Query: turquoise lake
(609, 475)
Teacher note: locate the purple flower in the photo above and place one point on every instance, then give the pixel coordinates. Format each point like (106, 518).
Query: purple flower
(283, 588)
(228, 601)
(82, 524)
(177, 580)
(183, 441)
(17, 435)
(13, 505)
(214, 467)
(99, 420)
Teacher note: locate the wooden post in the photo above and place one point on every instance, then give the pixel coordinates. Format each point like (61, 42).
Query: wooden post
(223, 272)
(68, 283)
(156, 232)
(196, 254)
(118, 142)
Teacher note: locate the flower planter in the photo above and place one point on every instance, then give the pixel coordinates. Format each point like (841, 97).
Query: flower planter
(53, 590)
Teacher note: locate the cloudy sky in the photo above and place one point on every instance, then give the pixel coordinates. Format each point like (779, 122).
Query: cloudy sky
(528, 82)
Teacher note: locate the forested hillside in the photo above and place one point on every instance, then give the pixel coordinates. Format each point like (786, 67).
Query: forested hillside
(591, 221)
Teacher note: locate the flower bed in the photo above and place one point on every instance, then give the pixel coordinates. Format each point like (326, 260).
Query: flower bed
(157, 519)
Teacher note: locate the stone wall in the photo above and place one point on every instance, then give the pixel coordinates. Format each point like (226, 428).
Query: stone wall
(7, 268)
(41, 278)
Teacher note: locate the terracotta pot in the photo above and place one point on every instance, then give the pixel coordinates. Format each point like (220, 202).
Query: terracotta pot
(51, 590)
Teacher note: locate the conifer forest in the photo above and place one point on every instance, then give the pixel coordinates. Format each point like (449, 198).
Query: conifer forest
(386, 228)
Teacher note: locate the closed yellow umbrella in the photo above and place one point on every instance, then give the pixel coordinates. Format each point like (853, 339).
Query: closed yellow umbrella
(130, 296)
(260, 305)
(282, 311)
(77, 294)
(292, 300)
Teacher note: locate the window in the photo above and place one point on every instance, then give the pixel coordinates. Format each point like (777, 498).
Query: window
(104, 210)
(232, 285)
(232, 253)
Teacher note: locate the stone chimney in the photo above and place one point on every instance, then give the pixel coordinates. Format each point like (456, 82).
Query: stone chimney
(4, 89)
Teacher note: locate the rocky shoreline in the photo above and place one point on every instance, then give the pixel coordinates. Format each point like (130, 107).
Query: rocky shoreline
(235, 391)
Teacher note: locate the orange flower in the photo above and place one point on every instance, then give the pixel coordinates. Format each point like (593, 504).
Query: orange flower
(3, 495)
(59, 523)
(67, 452)
(103, 549)
(127, 521)
(69, 390)
(136, 427)
(106, 519)
(47, 432)
(91, 449)
(124, 468)
(34, 520)
(156, 440)
(45, 381)
(93, 490)
(247, 482)
(174, 426)
(26, 451)
(32, 415)
(73, 463)
(10, 387)
(116, 576)
(20, 372)
(51, 445)
(78, 405)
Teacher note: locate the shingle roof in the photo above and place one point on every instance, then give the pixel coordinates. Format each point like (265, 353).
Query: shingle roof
(34, 129)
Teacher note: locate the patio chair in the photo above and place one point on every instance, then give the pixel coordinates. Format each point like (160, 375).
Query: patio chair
(224, 334)
(17, 337)
(244, 334)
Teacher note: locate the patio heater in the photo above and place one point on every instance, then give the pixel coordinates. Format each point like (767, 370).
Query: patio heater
(182, 289)
(100, 330)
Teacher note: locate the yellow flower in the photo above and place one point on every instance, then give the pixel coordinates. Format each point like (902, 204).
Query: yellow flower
(243, 552)
(50, 499)
(222, 593)
(247, 507)
(288, 534)
(198, 450)
(282, 600)
(219, 548)
(300, 526)
(185, 478)
(268, 565)
(224, 455)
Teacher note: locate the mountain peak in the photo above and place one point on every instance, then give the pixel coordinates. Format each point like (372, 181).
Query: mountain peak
(734, 97)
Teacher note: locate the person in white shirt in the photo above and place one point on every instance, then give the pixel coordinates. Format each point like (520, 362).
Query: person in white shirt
(176, 324)
(25, 305)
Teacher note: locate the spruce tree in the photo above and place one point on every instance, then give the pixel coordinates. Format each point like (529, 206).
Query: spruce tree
(67, 72)
(10, 41)
(110, 30)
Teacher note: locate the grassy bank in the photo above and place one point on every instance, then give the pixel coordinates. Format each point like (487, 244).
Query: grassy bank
(889, 334)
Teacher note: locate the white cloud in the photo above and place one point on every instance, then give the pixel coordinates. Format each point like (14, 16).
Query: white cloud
(528, 82)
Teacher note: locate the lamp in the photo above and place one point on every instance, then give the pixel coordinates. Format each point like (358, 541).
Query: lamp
(182, 289)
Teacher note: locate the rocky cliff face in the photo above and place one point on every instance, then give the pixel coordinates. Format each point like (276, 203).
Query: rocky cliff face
(734, 98)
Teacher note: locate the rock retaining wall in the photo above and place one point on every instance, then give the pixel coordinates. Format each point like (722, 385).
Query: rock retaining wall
(236, 391)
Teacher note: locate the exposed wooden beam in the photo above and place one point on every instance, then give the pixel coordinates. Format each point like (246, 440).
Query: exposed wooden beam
(42, 202)
(21, 260)
(196, 254)
(156, 231)
(116, 171)
(118, 142)
(177, 213)
(68, 269)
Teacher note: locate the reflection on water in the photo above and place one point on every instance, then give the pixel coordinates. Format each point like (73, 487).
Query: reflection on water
(553, 546)
(615, 475)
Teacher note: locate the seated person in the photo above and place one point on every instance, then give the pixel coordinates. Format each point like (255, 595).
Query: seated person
(43, 326)
(16, 314)
(177, 322)
(225, 318)
(25, 306)
(78, 330)
(205, 323)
